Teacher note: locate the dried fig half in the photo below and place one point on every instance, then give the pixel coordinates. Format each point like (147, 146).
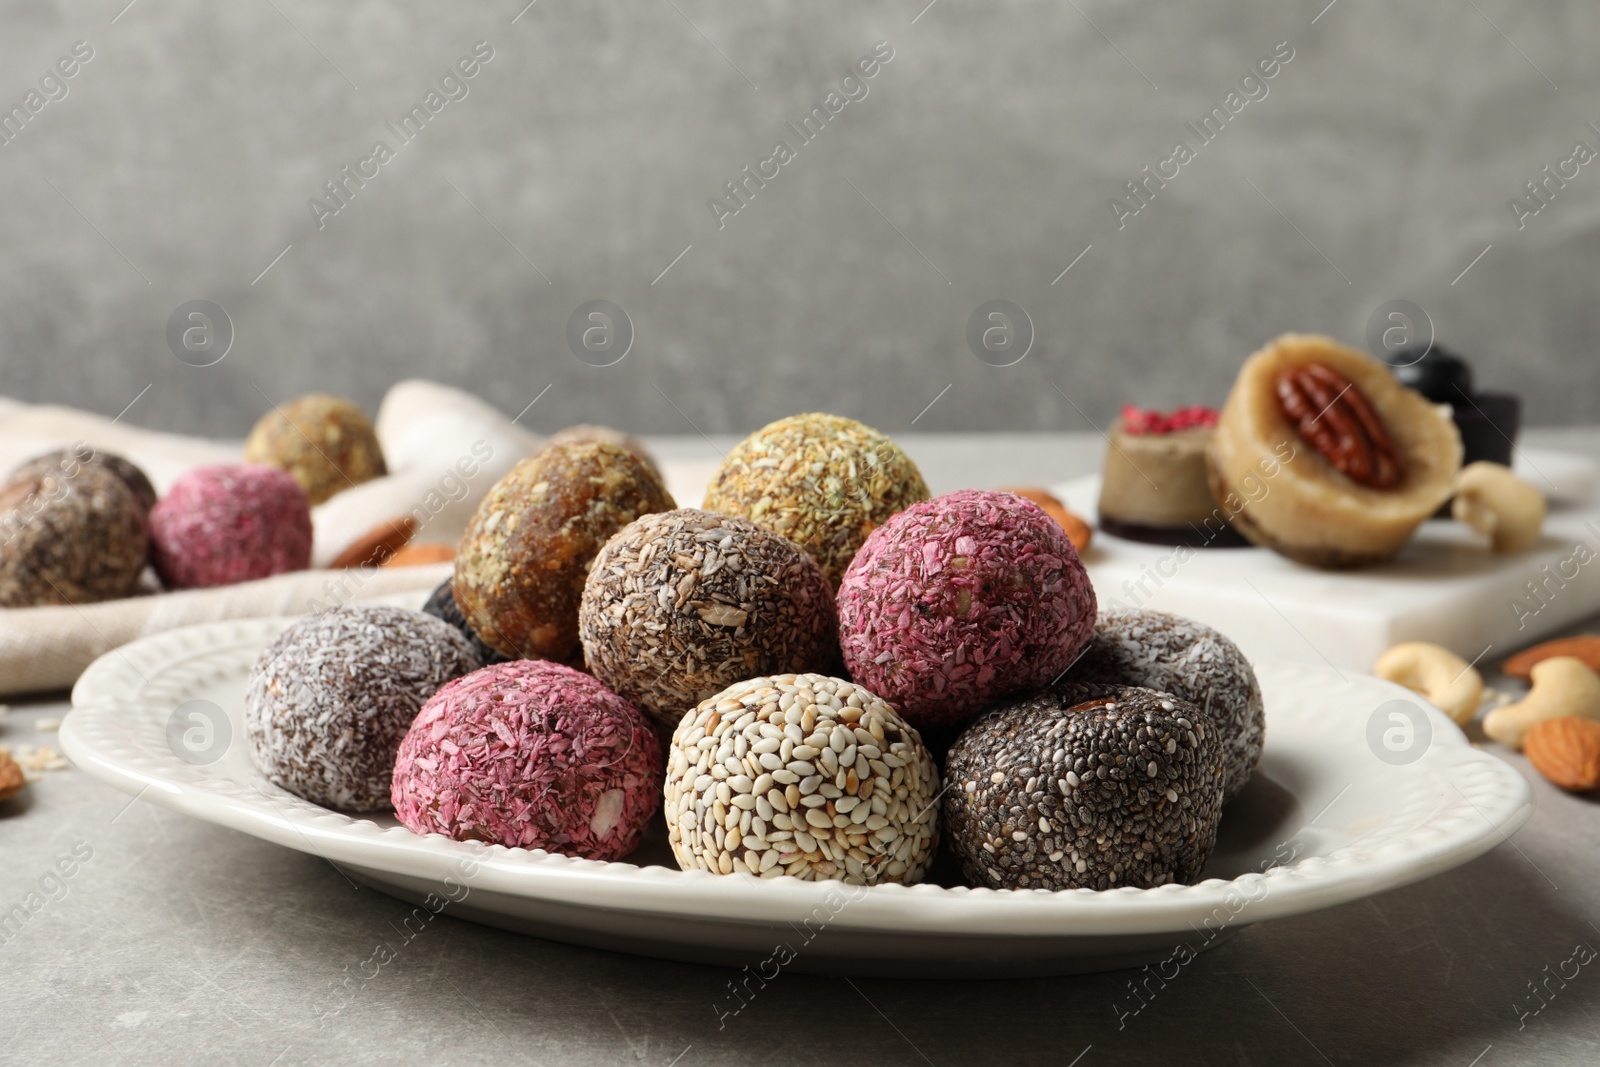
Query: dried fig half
(1322, 456)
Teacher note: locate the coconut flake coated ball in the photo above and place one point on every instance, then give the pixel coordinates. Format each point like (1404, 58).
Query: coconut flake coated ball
(331, 697)
(1189, 660)
(530, 754)
(325, 442)
(823, 481)
(1085, 786)
(234, 522)
(523, 558)
(682, 604)
(69, 539)
(804, 775)
(960, 600)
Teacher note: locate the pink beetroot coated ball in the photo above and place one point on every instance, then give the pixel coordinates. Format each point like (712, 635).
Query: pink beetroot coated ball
(530, 754)
(234, 522)
(960, 600)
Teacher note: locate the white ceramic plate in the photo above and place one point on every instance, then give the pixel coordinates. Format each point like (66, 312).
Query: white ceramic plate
(1325, 821)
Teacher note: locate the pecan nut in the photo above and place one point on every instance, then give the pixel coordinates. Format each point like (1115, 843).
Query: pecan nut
(1336, 418)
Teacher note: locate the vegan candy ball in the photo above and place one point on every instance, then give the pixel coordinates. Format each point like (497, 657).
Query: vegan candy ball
(960, 600)
(1189, 660)
(326, 443)
(823, 481)
(805, 775)
(1085, 787)
(523, 559)
(69, 540)
(331, 698)
(531, 754)
(230, 523)
(67, 461)
(682, 604)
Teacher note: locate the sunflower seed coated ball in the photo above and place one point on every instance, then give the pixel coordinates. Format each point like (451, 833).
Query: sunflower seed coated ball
(524, 556)
(682, 604)
(326, 443)
(823, 481)
(1189, 660)
(805, 775)
(1085, 787)
(69, 540)
(331, 698)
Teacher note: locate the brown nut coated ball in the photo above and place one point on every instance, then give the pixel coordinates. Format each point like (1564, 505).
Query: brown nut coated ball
(70, 540)
(823, 481)
(67, 461)
(523, 559)
(326, 443)
(682, 604)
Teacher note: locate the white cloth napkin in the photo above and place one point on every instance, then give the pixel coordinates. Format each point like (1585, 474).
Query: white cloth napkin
(444, 449)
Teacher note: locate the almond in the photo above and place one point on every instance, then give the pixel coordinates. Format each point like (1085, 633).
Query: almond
(377, 544)
(11, 777)
(1585, 647)
(1566, 751)
(1077, 531)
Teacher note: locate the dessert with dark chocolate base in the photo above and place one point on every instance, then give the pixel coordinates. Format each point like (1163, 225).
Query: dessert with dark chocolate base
(1153, 488)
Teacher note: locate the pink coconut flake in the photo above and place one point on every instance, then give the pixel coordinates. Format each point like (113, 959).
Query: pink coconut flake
(960, 600)
(531, 754)
(230, 523)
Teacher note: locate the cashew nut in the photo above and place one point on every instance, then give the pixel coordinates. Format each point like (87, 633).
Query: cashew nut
(1493, 501)
(1449, 682)
(1564, 685)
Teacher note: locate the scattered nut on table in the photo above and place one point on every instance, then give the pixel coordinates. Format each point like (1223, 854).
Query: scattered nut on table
(1561, 686)
(1566, 751)
(1585, 647)
(1449, 682)
(1494, 501)
(11, 777)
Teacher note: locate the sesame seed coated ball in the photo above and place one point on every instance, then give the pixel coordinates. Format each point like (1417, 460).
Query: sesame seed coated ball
(331, 697)
(682, 604)
(522, 561)
(531, 754)
(325, 442)
(69, 540)
(67, 461)
(960, 600)
(1085, 786)
(805, 775)
(1189, 660)
(234, 522)
(823, 481)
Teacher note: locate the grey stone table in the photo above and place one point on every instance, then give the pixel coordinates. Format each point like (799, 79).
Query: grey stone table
(173, 941)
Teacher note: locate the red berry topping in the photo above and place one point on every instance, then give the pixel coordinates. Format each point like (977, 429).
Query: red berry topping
(1138, 421)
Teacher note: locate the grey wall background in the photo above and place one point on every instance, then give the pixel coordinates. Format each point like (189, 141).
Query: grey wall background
(181, 161)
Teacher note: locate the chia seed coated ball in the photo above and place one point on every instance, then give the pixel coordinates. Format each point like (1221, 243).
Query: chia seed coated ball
(69, 540)
(805, 775)
(1189, 660)
(325, 442)
(441, 604)
(682, 604)
(234, 522)
(591, 433)
(823, 481)
(331, 698)
(961, 600)
(530, 754)
(521, 565)
(67, 461)
(1085, 786)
